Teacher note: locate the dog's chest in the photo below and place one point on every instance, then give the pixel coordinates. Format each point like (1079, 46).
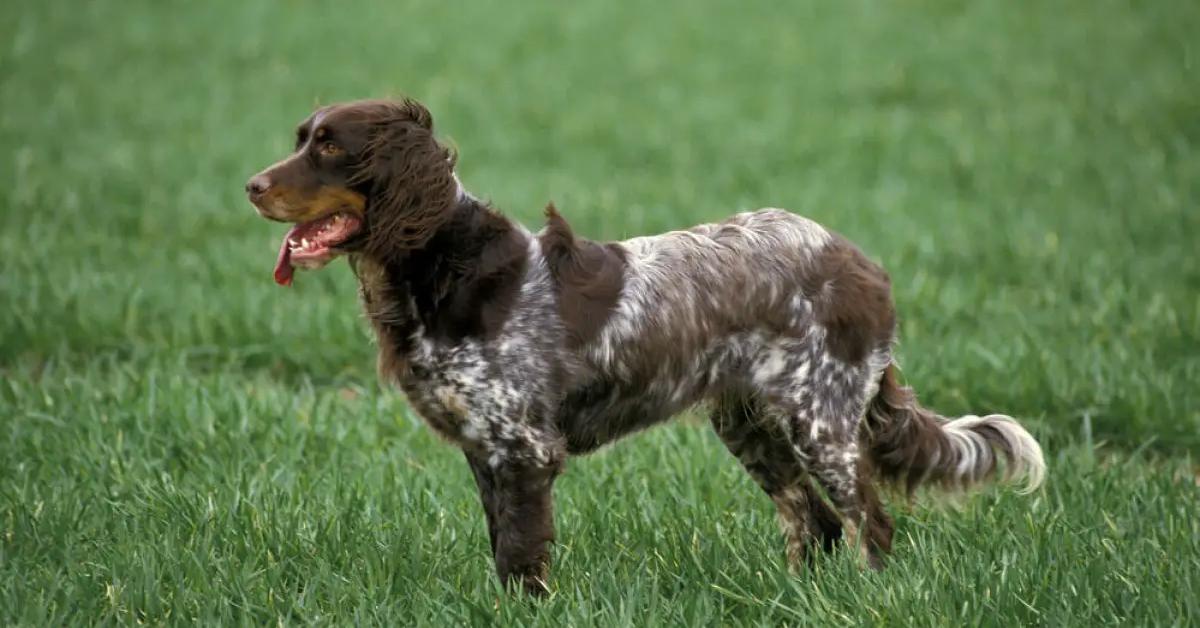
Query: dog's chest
(473, 392)
(446, 385)
(442, 383)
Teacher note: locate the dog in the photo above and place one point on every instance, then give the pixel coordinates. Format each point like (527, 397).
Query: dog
(524, 349)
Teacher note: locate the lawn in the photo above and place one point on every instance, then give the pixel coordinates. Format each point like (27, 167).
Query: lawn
(183, 441)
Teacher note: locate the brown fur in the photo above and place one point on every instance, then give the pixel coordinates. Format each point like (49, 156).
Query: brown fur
(463, 280)
(589, 277)
(808, 522)
(519, 510)
(310, 205)
(878, 528)
(908, 446)
(904, 448)
(409, 174)
(786, 326)
(853, 298)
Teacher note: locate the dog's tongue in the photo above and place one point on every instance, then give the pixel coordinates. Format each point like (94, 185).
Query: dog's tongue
(283, 264)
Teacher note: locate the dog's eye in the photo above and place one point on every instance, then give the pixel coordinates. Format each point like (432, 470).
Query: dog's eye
(329, 148)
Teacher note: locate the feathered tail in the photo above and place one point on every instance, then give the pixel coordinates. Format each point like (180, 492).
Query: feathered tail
(912, 446)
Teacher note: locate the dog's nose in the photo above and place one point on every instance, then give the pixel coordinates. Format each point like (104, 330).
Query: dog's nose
(257, 186)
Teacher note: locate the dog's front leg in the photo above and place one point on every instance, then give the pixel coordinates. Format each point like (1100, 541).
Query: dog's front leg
(516, 491)
(486, 481)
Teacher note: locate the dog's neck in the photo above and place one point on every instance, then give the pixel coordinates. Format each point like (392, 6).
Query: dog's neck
(461, 193)
(459, 282)
(461, 244)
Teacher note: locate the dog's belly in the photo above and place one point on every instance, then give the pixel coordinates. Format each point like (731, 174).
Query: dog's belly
(604, 411)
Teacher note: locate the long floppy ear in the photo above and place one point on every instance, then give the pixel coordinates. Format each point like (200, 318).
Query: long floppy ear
(410, 177)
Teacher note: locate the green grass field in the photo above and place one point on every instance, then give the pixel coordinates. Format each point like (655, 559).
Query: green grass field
(181, 440)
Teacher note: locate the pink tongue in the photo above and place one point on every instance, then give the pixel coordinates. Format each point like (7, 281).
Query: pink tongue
(283, 264)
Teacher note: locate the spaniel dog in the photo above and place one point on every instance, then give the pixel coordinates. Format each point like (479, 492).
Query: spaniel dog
(526, 348)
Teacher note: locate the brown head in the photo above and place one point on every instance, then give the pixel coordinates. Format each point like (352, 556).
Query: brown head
(365, 176)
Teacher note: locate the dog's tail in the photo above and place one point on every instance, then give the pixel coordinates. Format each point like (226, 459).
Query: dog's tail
(912, 446)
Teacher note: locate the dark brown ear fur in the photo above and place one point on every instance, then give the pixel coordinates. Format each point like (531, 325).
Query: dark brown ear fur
(589, 277)
(411, 178)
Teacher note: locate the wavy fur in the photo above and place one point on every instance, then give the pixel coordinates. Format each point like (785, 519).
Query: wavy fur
(912, 446)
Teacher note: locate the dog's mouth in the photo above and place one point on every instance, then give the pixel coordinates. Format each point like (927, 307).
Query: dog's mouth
(313, 244)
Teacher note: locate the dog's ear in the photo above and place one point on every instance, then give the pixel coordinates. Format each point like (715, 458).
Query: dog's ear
(409, 174)
(417, 112)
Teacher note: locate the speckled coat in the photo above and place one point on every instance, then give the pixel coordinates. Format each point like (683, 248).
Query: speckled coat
(524, 349)
(741, 314)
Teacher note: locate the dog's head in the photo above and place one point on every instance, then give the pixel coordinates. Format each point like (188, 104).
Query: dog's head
(365, 176)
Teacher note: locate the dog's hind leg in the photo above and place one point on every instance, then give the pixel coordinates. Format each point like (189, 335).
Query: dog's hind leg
(769, 458)
(840, 470)
(822, 413)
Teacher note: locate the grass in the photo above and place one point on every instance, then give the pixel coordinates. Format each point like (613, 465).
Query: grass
(182, 441)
